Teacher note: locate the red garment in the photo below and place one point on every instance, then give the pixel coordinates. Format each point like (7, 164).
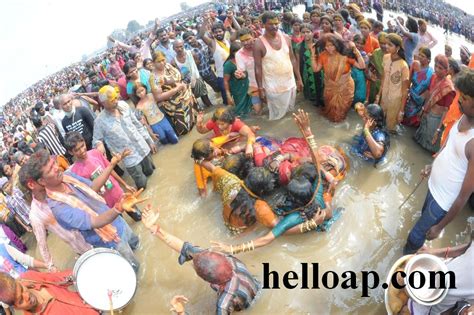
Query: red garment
(65, 302)
(235, 127)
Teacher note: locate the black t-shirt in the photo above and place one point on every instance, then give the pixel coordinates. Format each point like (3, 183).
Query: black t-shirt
(83, 122)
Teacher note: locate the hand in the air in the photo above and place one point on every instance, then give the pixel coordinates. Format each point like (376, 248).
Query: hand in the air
(117, 158)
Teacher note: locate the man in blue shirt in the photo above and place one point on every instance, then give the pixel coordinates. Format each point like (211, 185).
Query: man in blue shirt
(77, 206)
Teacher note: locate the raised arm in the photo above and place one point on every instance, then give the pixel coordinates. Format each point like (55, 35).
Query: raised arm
(149, 219)
(203, 33)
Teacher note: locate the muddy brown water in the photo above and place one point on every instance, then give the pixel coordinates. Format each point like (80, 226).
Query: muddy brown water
(369, 235)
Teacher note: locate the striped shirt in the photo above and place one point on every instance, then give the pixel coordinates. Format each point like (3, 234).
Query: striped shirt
(42, 219)
(237, 294)
(47, 136)
(16, 203)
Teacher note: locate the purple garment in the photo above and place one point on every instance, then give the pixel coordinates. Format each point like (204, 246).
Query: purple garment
(16, 241)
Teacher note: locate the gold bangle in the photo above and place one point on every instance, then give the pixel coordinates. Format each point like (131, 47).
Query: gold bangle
(310, 137)
(231, 249)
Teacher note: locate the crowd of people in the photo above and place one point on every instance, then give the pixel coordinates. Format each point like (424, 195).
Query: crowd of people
(79, 146)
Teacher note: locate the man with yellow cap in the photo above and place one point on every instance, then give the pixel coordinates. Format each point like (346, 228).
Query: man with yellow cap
(119, 129)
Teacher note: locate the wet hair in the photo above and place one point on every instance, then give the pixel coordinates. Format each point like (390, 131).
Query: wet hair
(260, 181)
(454, 65)
(244, 205)
(376, 112)
(202, 149)
(213, 267)
(216, 26)
(268, 15)
(465, 82)
(7, 289)
(31, 170)
(72, 139)
(307, 170)
(411, 25)
(237, 164)
(336, 41)
(300, 192)
(224, 114)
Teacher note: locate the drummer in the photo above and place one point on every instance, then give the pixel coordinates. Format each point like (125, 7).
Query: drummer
(76, 205)
(42, 293)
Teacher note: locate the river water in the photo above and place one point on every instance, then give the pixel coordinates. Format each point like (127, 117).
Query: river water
(369, 235)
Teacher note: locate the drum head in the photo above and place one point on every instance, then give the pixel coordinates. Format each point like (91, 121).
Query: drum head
(100, 272)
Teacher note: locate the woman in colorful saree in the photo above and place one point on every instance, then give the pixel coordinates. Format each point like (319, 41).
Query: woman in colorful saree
(240, 198)
(338, 84)
(236, 83)
(373, 144)
(281, 158)
(438, 98)
(178, 104)
(421, 73)
(304, 209)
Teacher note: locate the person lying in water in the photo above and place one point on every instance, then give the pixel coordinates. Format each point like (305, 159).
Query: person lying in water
(236, 288)
(373, 144)
(304, 209)
(227, 132)
(240, 198)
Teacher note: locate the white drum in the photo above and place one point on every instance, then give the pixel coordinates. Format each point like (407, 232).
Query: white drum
(100, 271)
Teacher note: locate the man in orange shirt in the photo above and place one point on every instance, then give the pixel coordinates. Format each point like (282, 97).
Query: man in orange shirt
(43, 293)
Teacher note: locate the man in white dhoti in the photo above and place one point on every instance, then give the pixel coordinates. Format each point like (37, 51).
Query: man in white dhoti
(276, 68)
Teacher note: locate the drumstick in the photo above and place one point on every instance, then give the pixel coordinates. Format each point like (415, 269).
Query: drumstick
(411, 194)
(109, 293)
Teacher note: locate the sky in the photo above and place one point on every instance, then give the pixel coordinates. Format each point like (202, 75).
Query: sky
(39, 37)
